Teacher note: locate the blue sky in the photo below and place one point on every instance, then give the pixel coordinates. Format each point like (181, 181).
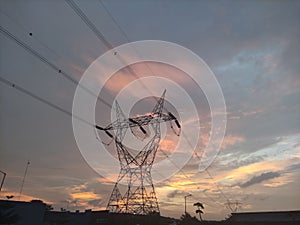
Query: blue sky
(251, 46)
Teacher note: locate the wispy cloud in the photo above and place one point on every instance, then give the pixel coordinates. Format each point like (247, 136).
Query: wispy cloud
(258, 179)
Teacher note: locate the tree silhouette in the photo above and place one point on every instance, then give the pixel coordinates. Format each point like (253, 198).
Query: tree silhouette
(199, 211)
(187, 219)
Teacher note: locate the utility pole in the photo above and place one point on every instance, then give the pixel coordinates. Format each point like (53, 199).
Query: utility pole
(24, 179)
(189, 195)
(3, 178)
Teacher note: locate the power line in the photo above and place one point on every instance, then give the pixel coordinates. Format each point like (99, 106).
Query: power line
(85, 19)
(102, 38)
(28, 32)
(124, 33)
(114, 20)
(48, 63)
(32, 51)
(21, 89)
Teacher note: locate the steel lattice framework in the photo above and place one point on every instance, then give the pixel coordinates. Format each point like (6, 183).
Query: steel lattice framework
(135, 173)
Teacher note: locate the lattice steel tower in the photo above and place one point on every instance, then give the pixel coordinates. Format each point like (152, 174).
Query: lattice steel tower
(135, 173)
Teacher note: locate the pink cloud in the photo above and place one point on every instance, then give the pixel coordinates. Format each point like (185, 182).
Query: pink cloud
(230, 140)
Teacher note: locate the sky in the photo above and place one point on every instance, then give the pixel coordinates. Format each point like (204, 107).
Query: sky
(252, 47)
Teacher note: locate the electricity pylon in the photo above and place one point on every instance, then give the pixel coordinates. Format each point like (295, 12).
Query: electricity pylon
(135, 173)
(235, 204)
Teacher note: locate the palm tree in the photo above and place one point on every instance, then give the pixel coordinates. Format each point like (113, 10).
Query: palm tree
(199, 211)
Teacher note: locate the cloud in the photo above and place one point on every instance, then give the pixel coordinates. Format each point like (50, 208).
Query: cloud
(260, 178)
(230, 164)
(84, 195)
(230, 140)
(280, 181)
(95, 202)
(293, 167)
(175, 193)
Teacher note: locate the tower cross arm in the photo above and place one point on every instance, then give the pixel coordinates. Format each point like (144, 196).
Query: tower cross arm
(143, 120)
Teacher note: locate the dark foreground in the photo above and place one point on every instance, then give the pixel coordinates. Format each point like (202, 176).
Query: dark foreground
(38, 213)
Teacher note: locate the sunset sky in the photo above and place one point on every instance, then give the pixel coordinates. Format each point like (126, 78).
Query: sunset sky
(252, 47)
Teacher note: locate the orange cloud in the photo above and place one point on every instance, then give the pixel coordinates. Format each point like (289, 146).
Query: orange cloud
(139, 70)
(168, 145)
(279, 181)
(244, 171)
(118, 81)
(24, 197)
(84, 195)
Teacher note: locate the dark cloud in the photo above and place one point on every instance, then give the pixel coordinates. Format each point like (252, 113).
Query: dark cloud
(260, 178)
(293, 167)
(95, 202)
(175, 193)
(168, 205)
(245, 153)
